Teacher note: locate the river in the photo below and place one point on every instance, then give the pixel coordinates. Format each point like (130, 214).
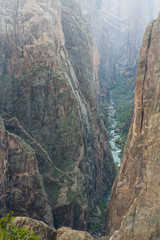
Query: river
(114, 132)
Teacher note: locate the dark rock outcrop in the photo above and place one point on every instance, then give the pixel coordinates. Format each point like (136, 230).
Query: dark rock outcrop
(134, 204)
(48, 96)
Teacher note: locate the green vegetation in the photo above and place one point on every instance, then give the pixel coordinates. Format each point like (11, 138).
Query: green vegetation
(26, 146)
(123, 92)
(97, 217)
(59, 73)
(121, 140)
(9, 231)
(34, 71)
(4, 77)
(2, 60)
(70, 196)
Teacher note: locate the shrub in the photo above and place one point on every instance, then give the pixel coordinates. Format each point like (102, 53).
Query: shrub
(9, 231)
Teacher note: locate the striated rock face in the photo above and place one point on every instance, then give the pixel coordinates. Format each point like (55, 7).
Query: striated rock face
(21, 185)
(48, 94)
(134, 204)
(127, 22)
(99, 28)
(118, 27)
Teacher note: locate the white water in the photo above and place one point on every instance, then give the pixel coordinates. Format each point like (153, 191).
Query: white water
(114, 133)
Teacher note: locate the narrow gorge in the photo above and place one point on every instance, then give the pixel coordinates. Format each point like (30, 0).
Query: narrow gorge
(79, 118)
(134, 204)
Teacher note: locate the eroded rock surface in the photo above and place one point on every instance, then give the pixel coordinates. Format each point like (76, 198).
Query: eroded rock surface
(48, 94)
(118, 28)
(42, 230)
(134, 204)
(21, 185)
(65, 233)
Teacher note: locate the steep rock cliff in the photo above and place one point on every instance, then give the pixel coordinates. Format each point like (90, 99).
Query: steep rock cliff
(134, 203)
(49, 88)
(21, 185)
(92, 12)
(127, 22)
(118, 27)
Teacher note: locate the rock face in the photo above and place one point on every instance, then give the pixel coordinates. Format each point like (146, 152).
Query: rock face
(45, 232)
(21, 185)
(67, 233)
(48, 94)
(134, 204)
(118, 27)
(127, 22)
(42, 230)
(92, 12)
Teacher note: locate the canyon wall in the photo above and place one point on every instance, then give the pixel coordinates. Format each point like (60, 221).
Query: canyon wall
(134, 204)
(22, 188)
(48, 97)
(118, 27)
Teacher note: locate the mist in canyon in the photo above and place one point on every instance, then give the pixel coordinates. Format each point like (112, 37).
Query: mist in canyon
(79, 117)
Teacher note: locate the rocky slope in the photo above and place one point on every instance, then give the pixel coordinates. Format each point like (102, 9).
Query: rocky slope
(21, 185)
(134, 203)
(45, 232)
(42, 230)
(48, 94)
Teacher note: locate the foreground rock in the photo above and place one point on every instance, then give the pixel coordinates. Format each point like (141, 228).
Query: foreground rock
(42, 230)
(47, 233)
(65, 233)
(134, 204)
